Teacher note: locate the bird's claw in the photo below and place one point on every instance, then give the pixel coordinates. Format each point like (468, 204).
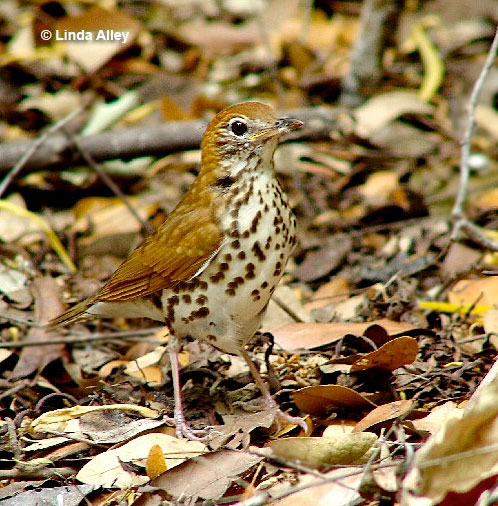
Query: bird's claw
(282, 415)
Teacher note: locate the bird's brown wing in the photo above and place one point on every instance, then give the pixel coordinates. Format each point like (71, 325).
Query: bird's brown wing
(181, 246)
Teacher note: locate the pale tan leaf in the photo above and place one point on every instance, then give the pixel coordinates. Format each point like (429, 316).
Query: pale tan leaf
(294, 336)
(340, 491)
(436, 418)
(106, 469)
(380, 110)
(462, 454)
(319, 452)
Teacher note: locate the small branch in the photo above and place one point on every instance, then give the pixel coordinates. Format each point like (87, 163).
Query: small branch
(58, 151)
(43, 473)
(458, 214)
(105, 336)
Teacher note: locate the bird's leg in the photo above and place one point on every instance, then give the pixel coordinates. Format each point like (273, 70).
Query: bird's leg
(183, 429)
(269, 400)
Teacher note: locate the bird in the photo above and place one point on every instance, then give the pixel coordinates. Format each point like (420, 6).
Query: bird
(210, 268)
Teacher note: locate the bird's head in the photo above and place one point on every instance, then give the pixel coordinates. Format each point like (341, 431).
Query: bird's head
(244, 134)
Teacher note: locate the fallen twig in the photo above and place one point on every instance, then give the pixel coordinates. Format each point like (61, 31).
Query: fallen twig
(146, 227)
(105, 336)
(460, 221)
(58, 151)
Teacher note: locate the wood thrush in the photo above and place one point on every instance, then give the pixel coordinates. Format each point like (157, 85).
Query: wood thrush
(210, 269)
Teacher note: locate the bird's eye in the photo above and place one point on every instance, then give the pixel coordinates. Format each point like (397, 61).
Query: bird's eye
(238, 127)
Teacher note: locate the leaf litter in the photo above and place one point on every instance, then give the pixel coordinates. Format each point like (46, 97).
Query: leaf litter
(381, 329)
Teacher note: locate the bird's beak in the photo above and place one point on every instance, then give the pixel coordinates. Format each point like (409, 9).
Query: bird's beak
(281, 127)
(288, 124)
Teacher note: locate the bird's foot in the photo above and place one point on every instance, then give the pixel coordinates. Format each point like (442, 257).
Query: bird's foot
(285, 417)
(293, 420)
(185, 431)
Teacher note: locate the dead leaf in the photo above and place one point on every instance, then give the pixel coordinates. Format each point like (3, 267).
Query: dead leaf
(490, 323)
(396, 353)
(436, 418)
(296, 336)
(319, 263)
(155, 464)
(487, 118)
(69, 495)
(320, 452)
(335, 290)
(207, 477)
(467, 292)
(461, 455)
(378, 187)
(380, 110)
(48, 304)
(383, 413)
(341, 490)
(107, 470)
(460, 258)
(62, 420)
(108, 217)
(318, 400)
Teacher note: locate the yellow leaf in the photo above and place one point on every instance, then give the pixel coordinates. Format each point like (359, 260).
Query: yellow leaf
(155, 464)
(433, 64)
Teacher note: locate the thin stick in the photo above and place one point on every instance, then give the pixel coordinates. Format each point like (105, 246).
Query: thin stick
(147, 227)
(105, 336)
(158, 140)
(7, 180)
(458, 213)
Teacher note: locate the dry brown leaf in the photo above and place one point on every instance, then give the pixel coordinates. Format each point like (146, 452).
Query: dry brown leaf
(320, 262)
(460, 258)
(310, 335)
(488, 201)
(47, 295)
(319, 452)
(383, 413)
(467, 292)
(318, 400)
(379, 186)
(60, 419)
(487, 118)
(207, 477)
(108, 217)
(390, 356)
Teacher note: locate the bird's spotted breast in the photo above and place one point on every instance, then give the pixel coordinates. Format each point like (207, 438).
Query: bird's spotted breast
(224, 305)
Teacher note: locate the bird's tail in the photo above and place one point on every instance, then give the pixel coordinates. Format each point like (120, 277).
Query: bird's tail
(76, 313)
